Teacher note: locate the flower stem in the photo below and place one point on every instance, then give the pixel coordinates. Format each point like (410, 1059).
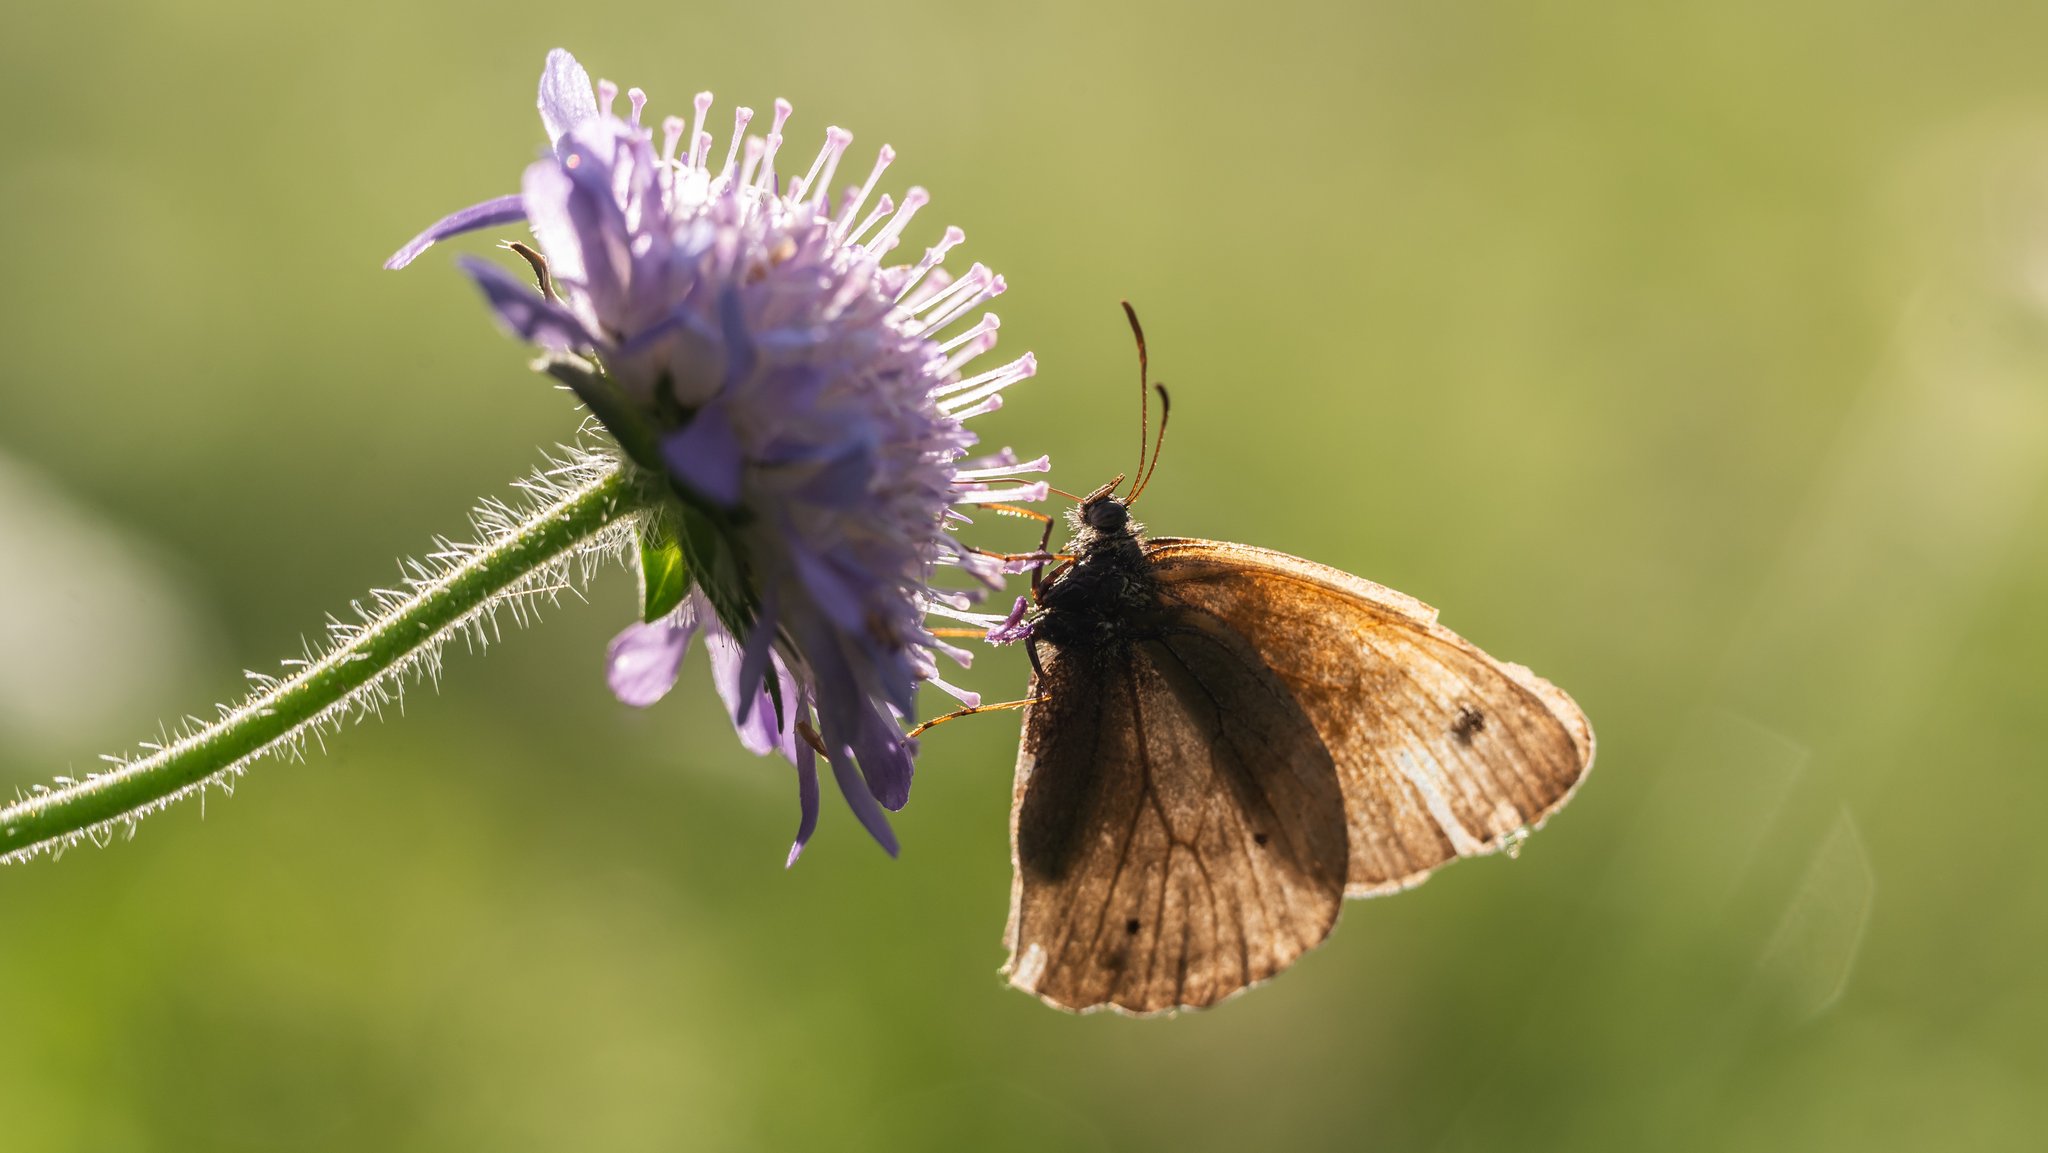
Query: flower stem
(586, 507)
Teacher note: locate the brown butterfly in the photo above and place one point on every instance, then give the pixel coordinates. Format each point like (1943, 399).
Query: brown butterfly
(1224, 742)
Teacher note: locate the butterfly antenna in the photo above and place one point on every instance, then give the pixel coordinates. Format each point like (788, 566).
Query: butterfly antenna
(1144, 394)
(1165, 411)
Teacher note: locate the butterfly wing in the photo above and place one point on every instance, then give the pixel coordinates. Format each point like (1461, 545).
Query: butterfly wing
(1442, 751)
(1178, 828)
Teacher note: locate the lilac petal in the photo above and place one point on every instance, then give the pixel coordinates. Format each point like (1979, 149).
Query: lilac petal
(489, 214)
(837, 692)
(835, 592)
(741, 354)
(755, 667)
(807, 802)
(862, 802)
(642, 661)
(1013, 629)
(581, 230)
(529, 315)
(884, 760)
(566, 98)
(843, 481)
(706, 455)
(753, 714)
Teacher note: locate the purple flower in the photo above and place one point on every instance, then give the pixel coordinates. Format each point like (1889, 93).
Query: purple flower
(741, 333)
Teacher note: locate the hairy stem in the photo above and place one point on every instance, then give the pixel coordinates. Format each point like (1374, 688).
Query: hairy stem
(581, 509)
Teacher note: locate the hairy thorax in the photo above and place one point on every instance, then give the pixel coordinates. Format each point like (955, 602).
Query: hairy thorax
(1106, 599)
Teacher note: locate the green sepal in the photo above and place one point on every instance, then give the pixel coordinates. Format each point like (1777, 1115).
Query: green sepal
(664, 574)
(715, 561)
(712, 551)
(634, 434)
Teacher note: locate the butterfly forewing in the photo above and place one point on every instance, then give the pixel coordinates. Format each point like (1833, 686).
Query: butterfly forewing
(1178, 828)
(1441, 750)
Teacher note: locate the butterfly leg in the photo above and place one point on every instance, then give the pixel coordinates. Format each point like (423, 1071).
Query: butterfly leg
(1031, 650)
(1038, 574)
(958, 713)
(1039, 558)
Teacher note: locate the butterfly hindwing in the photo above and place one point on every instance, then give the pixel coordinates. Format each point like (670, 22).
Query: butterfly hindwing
(1178, 830)
(1442, 751)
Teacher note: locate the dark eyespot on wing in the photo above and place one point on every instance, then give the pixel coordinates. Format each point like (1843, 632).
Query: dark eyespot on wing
(1141, 879)
(1469, 724)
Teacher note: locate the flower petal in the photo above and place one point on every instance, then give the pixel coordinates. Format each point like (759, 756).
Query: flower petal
(706, 455)
(742, 356)
(527, 314)
(884, 760)
(835, 592)
(753, 714)
(757, 663)
(862, 802)
(642, 662)
(566, 97)
(1013, 628)
(807, 801)
(583, 234)
(489, 214)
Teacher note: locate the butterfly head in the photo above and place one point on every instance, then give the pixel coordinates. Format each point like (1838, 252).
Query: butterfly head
(1103, 511)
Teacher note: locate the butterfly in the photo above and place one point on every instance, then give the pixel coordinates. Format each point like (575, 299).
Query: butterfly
(1221, 743)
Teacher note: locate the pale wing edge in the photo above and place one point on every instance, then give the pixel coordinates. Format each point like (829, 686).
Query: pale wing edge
(1167, 548)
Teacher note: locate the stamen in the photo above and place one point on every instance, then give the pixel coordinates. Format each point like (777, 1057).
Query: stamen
(607, 95)
(954, 653)
(939, 281)
(782, 110)
(982, 619)
(983, 409)
(990, 291)
(932, 257)
(836, 140)
(966, 697)
(699, 141)
(671, 136)
(756, 148)
(983, 342)
(741, 117)
(638, 99)
(883, 159)
(882, 208)
(947, 603)
(1023, 492)
(1004, 459)
(913, 200)
(989, 323)
(1042, 464)
(1017, 369)
(977, 275)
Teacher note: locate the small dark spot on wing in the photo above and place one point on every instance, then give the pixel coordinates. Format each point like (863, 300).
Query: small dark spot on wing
(1132, 926)
(1471, 722)
(1258, 838)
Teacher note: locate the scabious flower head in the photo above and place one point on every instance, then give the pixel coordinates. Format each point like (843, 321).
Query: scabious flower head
(744, 337)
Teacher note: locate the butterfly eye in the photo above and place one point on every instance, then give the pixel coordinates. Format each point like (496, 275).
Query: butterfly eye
(1106, 516)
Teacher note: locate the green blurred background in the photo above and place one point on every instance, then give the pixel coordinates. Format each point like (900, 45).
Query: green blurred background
(1696, 355)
